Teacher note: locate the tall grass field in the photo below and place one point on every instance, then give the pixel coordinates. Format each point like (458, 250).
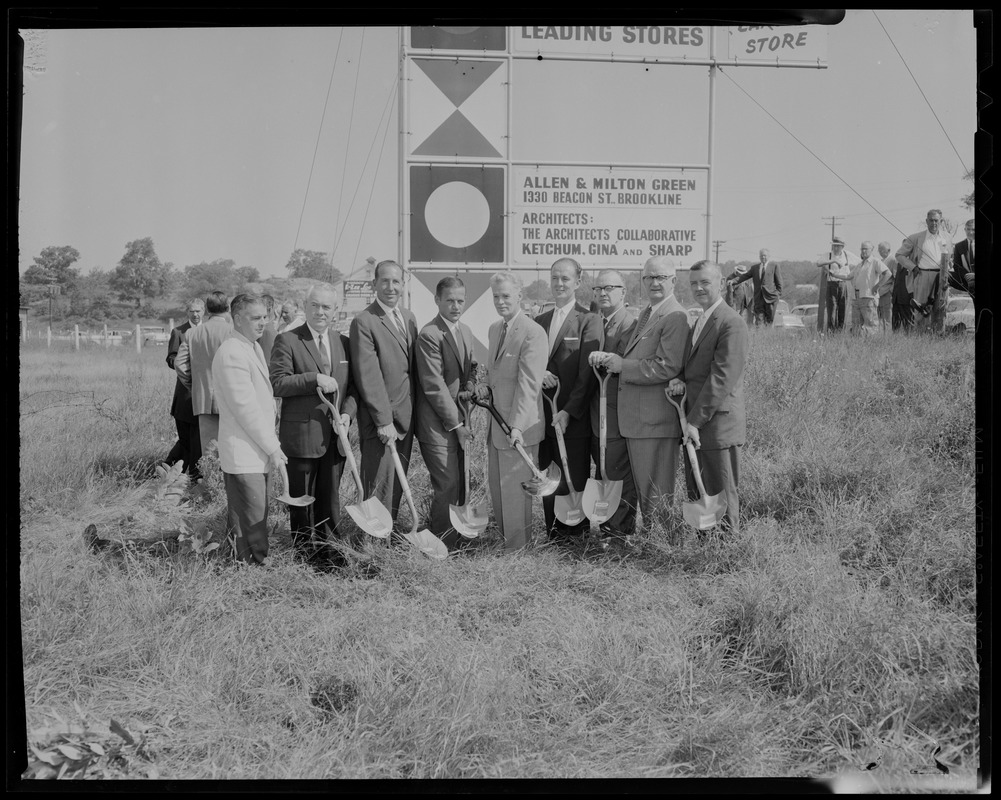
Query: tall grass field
(835, 632)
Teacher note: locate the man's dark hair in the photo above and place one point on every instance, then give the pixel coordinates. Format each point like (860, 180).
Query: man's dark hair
(217, 303)
(243, 300)
(448, 282)
(269, 303)
(386, 263)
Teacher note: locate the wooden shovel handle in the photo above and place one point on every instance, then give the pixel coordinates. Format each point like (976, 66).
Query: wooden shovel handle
(342, 435)
(391, 444)
(692, 455)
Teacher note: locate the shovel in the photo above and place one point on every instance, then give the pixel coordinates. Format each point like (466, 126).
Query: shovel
(567, 507)
(371, 516)
(471, 519)
(706, 511)
(541, 484)
(601, 497)
(285, 497)
(425, 541)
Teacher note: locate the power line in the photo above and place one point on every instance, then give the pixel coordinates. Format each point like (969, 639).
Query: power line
(804, 146)
(920, 90)
(716, 244)
(316, 147)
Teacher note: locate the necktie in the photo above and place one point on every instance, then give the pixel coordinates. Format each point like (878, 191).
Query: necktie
(555, 325)
(324, 355)
(457, 338)
(699, 324)
(643, 320)
(399, 323)
(500, 342)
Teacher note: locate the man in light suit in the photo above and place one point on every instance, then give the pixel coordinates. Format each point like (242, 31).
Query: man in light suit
(444, 361)
(194, 364)
(517, 362)
(767, 287)
(963, 273)
(573, 333)
(382, 365)
(248, 446)
(618, 322)
(302, 359)
(651, 358)
(188, 448)
(713, 377)
(921, 255)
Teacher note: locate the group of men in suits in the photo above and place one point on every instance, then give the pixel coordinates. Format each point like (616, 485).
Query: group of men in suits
(400, 384)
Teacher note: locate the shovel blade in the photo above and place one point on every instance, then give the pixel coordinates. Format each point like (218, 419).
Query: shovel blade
(704, 513)
(288, 500)
(429, 544)
(543, 485)
(372, 517)
(601, 499)
(568, 510)
(465, 522)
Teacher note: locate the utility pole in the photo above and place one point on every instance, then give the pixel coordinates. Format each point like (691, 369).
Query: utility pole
(716, 244)
(822, 294)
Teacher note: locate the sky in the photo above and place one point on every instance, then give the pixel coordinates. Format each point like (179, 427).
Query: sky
(245, 143)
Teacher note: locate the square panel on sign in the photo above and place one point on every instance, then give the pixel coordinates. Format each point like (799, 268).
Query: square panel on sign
(456, 214)
(458, 37)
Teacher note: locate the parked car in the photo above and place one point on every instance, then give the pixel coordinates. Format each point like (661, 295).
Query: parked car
(807, 313)
(959, 314)
(155, 335)
(788, 322)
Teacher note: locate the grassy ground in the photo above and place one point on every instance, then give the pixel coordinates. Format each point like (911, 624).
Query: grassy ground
(837, 627)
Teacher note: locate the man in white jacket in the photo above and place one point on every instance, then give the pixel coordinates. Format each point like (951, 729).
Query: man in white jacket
(248, 444)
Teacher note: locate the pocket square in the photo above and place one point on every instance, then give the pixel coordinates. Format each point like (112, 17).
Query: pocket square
(571, 338)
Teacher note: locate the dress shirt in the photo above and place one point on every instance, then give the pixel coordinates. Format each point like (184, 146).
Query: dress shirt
(841, 272)
(701, 321)
(559, 317)
(870, 277)
(395, 317)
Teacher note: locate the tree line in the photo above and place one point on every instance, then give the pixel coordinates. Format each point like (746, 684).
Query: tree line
(140, 277)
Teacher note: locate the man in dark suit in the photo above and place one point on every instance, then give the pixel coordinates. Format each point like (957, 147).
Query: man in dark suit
(188, 448)
(962, 276)
(517, 362)
(302, 359)
(651, 358)
(270, 326)
(713, 376)
(767, 287)
(618, 322)
(382, 364)
(573, 333)
(444, 361)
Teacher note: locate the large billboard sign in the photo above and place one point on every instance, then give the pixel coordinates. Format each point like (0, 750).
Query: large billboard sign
(780, 45)
(605, 217)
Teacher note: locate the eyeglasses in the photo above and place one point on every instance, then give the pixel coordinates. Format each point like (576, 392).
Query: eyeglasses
(658, 278)
(607, 289)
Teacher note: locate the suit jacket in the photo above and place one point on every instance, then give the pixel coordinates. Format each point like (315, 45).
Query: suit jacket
(767, 282)
(304, 428)
(911, 250)
(180, 404)
(515, 378)
(202, 343)
(962, 265)
(714, 379)
(577, 338)
(613, 340)
(267, 340)
(650, 359)
(382, 365)
(246, 406)
(441, 375)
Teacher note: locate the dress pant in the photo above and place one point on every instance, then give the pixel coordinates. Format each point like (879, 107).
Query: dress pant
(188, 447)
(378, 474)
(444, 463)
(511, 503)
(903, 316)
(623, 521)
(247, 515)
(864, 319)
(837, 297)
(719, 471)
(654, 463)
(578, 459)
(320, 478)
(884, 311)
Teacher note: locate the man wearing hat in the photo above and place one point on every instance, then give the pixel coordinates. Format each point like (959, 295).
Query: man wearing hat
(740, 296)
(838, 273)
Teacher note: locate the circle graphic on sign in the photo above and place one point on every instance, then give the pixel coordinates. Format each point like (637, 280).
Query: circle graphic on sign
(457, 214)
